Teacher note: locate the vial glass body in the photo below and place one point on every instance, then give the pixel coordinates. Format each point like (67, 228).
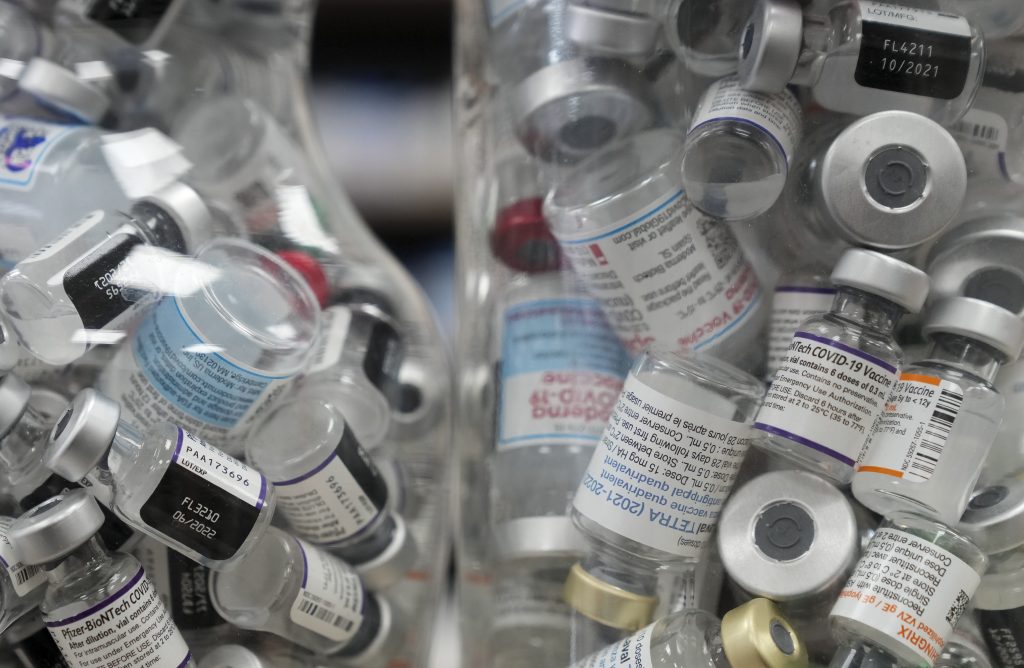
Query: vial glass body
(687, 639)
(1006, 456)
(929, 464)
(704, 33)
(21, 449)
(798, 296)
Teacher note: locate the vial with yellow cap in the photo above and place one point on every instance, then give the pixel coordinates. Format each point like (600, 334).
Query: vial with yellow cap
(754, 635)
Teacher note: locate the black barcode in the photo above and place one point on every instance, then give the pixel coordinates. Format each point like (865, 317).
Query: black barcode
(933, 440)
(976, 130)
(26, 574)
(325, 615)
(720, 240)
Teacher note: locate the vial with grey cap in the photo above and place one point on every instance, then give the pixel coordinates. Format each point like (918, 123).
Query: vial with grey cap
(906, 594)
(860, 57)
(295, 590)
(791, 537)
(737, 152)
(329, 490)
(703, 33)
(929, 444)
(23, 430)
(163, 481)
(616, 28)
(754, 635)
(841, 366)
(214, 356)
(100, 608)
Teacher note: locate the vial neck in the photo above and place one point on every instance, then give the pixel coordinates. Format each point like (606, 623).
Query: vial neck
(965, 354)
(160, 228)
(862, 655)
(812, 52)
(716, 650)
(125, 447)
(638, 576)
(866, 310)
(87, 557)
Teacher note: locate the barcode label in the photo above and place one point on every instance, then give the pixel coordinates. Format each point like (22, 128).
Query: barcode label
(23, 578)
(324, 615)
(977, 131)
(26, 574)
(935, 435)
(721, 241)
(330, 600)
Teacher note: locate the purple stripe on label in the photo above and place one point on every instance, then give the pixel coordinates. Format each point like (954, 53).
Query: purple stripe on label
(306, 476)
(847, 349)
(99, 606)
(263, 492)
(184, 662)
(804, 441)
(305, 564)
(177, 448)
(797, 288)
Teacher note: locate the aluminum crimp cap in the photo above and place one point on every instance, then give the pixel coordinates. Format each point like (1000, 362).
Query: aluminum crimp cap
(994, 518)
(884, 276)
(189, 211)
(62, 89)
(14, 397)
(770, 46)
(756, 635)
(979, 321)
(605, 603)
(56, 527)
(82, 435)
(606, 30)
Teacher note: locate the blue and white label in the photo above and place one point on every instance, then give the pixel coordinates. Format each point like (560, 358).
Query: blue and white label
(561, 372)
(23, 145)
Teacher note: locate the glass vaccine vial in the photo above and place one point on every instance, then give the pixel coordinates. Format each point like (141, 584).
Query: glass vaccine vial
(90, 591)
(100, 272)
(851, 57)
(737, 152)
(213, 358)
(23, 430)
(704, 33)
(791, 537)
(754, 635)
(164, 481)
(21, 584)
(656, 483)
(663, 272)
(938, 570)
(306, 596)
(799, 295)
(929, 444)
(329, 490)
(561, 372)
(841, 366)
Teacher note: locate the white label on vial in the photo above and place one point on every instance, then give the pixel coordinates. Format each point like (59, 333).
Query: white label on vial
(131, 628)
(792, 305)
(826, 396)
(632, 652)
(561, 372)
(334, 324)
(982, 136)
(23, 145)
(330, 600)
(668, 275)
(23, 578)
(912, 17)
(180, 378)
(778, 114)
(909, 436)
(910, 590)
(662, 471)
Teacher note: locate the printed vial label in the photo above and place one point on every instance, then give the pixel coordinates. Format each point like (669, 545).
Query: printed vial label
(669, 275)
(561, 372)
(206, 500)
(982, 136)
(791, 305)
(662, 471)
(778, 114)
(909, 436)
(181, 583)
(107, 281)
(23, 144)
(131, 628)
(632, 652)
(910, 590)
(23, 578)
(330, 345)
(180, 379)
(330, 600)
(1003, 631)
(915, 51)
(337, 498)
(826, 396)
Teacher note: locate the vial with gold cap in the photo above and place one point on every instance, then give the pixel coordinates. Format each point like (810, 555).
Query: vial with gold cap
(754, 635)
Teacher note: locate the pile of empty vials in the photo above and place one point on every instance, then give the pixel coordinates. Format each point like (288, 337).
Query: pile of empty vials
(198, 394)
(758, 274)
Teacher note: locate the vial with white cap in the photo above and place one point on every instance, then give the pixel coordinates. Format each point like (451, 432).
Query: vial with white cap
(100, 272)
(929, 444)
(798, 296)
(738, 150)
(164, 481)
(295, 590)
(91, 591)
(791, 537)
(841, 366)
(906, 594)
(754, 635)
(860, 56)
(704, 33)
(49, 91)
(664, 273)
(889, 181)
(214, 357)
(329, 490)
(651, 496)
